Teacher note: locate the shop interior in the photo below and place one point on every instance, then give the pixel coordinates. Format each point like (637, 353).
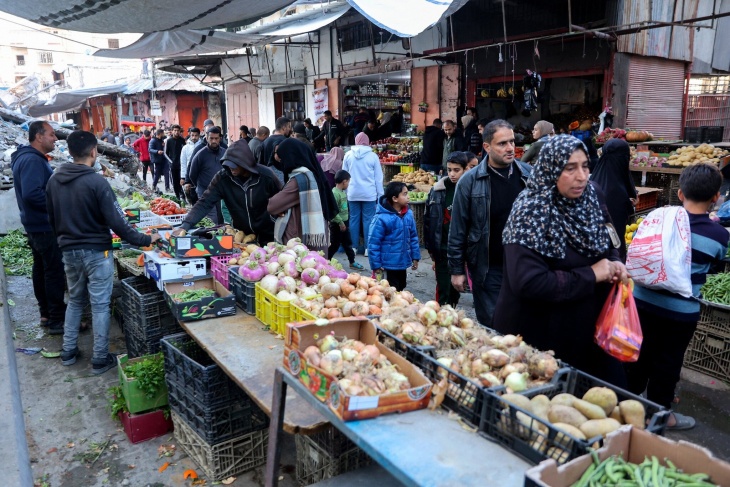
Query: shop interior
(290, 103)
(379, 93)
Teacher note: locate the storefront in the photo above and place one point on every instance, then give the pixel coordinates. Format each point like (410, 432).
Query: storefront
(290, 103)
(378, 94)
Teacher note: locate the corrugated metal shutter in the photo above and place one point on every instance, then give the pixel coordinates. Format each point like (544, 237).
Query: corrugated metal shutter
(655, 94)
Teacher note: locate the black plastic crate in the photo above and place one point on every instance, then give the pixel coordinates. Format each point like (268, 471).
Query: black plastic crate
(693, 134)
(536, 439)
(190, 371)
(244, 291)
(146, 344)
(332, 441)
(146, 310)
(218, 425)
(712, 134)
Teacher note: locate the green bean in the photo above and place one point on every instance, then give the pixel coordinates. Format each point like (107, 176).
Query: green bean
(655, 471)
(637, 476)
(583, 481)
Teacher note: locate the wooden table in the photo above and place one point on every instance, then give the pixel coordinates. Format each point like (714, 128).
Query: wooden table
(249, 355)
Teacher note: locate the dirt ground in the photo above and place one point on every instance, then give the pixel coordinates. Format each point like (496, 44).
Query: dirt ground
(74, 442)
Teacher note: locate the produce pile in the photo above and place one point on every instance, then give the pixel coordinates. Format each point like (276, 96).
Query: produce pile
(164, 206)
(417, 196)
(598, 413)
(16, 254)
(609, 133)
(192, 295)
(651, 472)
(417, 177)
(716, 289)
(361, 369)
(635, 136)
(631, 230)
(689, 155)
(475, 352)
(651, 161)
(136, 200)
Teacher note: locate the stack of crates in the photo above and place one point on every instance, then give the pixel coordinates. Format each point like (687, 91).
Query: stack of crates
(147, 316)
(709, 350)
(216, 423)
(326, 454)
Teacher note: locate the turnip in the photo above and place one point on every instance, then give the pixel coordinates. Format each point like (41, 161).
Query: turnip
(285, 296)
(292, 242)
(252, 271)
(290, 269)
(287, 284)
(286, 256)
(310, 277)
(272, 268)
(270, 283)
(258, 255)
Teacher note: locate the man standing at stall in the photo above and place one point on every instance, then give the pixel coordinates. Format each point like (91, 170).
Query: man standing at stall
(204, 166)
(82, 208)
(157, 156)
(453, 141)
(482, 203)
(433, 148)
(333, 131)
(173, 148)
(185, 157)
(142, 147)
(31, 172)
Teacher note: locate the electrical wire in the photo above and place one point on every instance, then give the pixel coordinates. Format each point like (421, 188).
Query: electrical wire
(49, 33)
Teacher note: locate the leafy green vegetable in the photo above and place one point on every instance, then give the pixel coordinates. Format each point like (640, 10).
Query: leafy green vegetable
(117, 403)
(205, 223)
(193, 295)
(150, 374)
(16, 254)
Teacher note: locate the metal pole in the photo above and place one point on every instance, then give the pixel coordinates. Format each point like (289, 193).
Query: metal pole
(154, 93)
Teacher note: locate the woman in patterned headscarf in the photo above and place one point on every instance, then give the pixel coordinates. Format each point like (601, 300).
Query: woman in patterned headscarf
(560, 261)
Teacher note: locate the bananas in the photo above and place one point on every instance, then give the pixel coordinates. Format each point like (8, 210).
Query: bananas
(501, 93)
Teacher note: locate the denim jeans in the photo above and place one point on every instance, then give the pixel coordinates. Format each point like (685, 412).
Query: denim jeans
(48, 278)
(361, 212)
(485, 296)
(89, 273)
(162, 168)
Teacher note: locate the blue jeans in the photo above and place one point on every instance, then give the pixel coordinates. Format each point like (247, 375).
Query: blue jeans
(89, 273)
(485, 295)
(361, 212)
(162, 168)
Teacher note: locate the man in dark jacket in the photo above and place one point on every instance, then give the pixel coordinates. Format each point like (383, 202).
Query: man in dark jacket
(31, 172)
(157, 157)
(333, 131)
(204, 166)
(453, 141)
(82, 208)
(245, 187)
(360, 120)
(313, 134)
(173, 148)
(433, 147)
(482, 203)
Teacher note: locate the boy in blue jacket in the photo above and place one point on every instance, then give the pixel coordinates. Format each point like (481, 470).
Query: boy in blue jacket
(393, 240)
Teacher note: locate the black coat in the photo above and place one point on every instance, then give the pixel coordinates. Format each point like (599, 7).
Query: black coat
(433, 146)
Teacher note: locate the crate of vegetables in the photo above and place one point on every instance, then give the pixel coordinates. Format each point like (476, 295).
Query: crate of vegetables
(344, 365)
(199, 298)
(219, 266)
(563, 422)
(243, 290)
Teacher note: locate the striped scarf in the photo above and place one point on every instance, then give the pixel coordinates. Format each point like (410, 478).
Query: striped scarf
(313, 223)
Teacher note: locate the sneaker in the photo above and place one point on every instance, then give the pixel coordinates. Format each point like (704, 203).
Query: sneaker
(99, 368)
(69, 358)
(55, 328)
(366, 252)
(356, 265)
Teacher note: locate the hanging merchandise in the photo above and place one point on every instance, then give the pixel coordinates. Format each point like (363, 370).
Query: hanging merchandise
(530, 85)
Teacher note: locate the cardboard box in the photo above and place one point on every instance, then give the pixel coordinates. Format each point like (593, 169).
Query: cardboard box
(633, 445)
(198, 246)
(223, 304)
(132, 214)
(161, 269)
(325, 386)
(145, 426)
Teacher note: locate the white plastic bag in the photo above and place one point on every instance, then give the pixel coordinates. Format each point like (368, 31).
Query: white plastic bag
(660, 255)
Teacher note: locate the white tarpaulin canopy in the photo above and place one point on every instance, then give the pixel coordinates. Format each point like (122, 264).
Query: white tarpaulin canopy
(191, 42)
(64, 101)
(405, 18)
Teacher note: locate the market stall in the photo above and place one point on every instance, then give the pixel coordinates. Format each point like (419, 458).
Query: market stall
(379, 94)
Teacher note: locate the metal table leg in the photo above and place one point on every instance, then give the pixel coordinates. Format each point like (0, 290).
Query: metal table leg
(273, 451)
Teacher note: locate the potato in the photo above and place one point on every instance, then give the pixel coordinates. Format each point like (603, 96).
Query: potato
(517, 400)
(238, 238)
(633, 413)
(571, 430)
(564, 399)
(603, 397)
(616, 414)
(565, 414)
(589, 410)
(557, 454)
(540, 405)
(599, 427)
(232, 261)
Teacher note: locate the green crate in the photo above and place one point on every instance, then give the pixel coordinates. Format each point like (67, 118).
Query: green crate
(136, 400)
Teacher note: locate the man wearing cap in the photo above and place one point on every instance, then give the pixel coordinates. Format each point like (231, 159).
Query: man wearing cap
(245, 187)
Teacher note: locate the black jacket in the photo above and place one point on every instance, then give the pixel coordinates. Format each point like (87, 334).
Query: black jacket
(433, 146)
(82, 208)
(266, 157)
(246, 202)
(173, 149)
(433, 220)
(469, 229)
(31, 172)
(203, 167)
(472, 138)
(155, 145)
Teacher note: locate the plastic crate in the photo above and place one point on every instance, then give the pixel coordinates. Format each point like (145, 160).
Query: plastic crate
(299, 314)
(407, 169)
(712, 134)
(647, 201)
(148, 219)
(137, 401)
(271, 311)
(419, 210)
(714, 319)
(225, 459)
(219, 268)
(147, 316)
(219, 424)
(190, 372)
(176, 220)
(244, 291)
(709, 353)
(536, 439)
(315, 464)
(672, 193)
(693, 134)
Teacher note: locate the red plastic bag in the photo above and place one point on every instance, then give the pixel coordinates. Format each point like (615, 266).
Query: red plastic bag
(618, 330)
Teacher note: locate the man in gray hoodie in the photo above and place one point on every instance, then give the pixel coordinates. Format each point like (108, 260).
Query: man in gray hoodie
(81, 209)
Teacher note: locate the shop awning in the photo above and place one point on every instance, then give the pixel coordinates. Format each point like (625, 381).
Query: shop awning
(65, 101)
(406, 18)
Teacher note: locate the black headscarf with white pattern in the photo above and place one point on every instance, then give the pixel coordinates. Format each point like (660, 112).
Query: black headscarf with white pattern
(545, 221)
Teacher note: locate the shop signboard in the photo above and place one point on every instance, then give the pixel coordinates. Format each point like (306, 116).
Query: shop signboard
(321, 103)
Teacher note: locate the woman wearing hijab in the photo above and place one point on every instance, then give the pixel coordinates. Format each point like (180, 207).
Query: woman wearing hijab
(613, 176)
(560, 261)
(540, 133)
(305, 204)
(332, 163)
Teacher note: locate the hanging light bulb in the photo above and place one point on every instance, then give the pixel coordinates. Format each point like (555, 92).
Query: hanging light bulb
(501, 59)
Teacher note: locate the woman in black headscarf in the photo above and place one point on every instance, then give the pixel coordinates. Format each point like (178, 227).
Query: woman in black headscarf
(560, 261)
(305, 204)
(613, 176)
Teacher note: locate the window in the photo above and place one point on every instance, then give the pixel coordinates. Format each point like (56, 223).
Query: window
(45, 57)
(113, 43)
(357, 36)
(20, 60)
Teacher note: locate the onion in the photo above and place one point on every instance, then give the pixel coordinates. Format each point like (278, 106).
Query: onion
(495, 358)
(375, 300)
(334, 313)
(285, 296)
(349, 354)
(323, 280)
(445, 317)
(359, 346)
(389, 325)
(312, 355)
(509, 341)
(329, 290)
(399, 302)
(488, 379)
(516, 381)
(467, 323)
(542, 365)
(346, 287)
(384, 283)
(375, 310)
(270, 283)
(287, 284)
(347, 308)
(362, 284)
(408, 296)
(433, 305)
(327, 343)
(370, 353)
(361, 308)
(427, 315)
(331, 302)
(353, 278)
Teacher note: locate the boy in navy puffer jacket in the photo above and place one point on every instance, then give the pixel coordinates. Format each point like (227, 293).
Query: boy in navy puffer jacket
(393, 240)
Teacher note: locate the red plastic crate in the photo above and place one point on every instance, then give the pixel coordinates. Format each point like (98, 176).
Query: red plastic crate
(647, 199)
(219, 268)
(145, 426)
